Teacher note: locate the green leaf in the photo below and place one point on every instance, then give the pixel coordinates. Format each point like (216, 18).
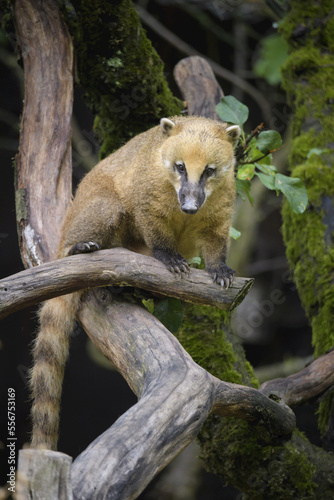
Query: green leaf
(170, 312)
(149, 304)
(246, 172)
(243, 190)
(267, 160)
(273, 54)
(268, 140)
(266, 169)
(234, 233)
(232, 111)
(294, 190)
(195, 261)
(267, 180)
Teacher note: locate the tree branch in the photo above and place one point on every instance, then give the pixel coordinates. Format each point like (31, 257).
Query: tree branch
(117, 267)
(199, 86)
(43, 193)
(306, 385)
(175, 398)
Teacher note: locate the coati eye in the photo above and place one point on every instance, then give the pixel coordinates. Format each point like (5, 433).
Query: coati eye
(210, 171)
(180, 167)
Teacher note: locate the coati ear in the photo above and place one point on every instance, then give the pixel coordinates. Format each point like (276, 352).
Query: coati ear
(233, 133)
(167, 126)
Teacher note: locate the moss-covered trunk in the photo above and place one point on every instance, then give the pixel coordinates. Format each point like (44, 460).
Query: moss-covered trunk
(309, 82)
(119, 70)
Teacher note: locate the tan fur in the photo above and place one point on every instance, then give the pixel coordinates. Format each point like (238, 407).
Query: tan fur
(130, 200)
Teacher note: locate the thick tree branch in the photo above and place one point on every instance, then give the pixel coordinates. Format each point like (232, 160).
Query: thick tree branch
(175, 398)
(198, 85)
(117, 267)
(44, 162)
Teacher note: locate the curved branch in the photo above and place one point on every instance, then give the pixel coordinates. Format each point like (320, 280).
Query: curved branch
(175, 398)
(44, 162)
(244, 402)
(116, 266)
(306, 385)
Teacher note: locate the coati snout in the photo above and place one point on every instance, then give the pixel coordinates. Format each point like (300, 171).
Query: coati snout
(192, 195)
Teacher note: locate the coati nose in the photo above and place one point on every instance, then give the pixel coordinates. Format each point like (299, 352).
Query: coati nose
(189, 208)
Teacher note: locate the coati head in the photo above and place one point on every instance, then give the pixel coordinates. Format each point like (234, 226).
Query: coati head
(198, 155)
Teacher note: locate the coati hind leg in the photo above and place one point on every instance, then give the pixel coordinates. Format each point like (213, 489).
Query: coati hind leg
(99, 224)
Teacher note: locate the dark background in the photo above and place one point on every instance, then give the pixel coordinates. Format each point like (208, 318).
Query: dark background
(94, 395)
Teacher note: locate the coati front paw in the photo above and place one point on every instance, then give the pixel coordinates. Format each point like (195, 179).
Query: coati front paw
(224, 275)
(175, 263)
(83, 247)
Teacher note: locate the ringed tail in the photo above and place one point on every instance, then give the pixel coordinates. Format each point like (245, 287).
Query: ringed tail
(57, 319)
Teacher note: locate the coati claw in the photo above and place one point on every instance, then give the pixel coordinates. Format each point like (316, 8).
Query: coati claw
(178, 267)
(224, 276)
(175, 263)
(83, 247)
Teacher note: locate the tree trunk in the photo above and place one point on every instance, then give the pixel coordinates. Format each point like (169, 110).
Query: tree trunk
(120, 72)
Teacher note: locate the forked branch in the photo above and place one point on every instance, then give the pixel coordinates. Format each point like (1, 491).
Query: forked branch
(175, 398)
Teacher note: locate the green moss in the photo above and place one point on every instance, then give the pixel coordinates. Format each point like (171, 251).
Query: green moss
(204, 334)
(237, 451)
(120, 72)
(307, 77)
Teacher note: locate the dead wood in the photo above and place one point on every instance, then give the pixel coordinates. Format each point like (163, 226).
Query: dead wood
(199, 87)
(117, 267)
(44, 474)
(44, 161)
(175, 398)
(305, 386)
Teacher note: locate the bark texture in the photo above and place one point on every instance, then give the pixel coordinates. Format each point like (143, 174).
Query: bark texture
(175, 397)
(305, 386)
(44, 162)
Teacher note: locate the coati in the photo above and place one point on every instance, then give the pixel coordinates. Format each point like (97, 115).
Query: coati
(169, 193)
